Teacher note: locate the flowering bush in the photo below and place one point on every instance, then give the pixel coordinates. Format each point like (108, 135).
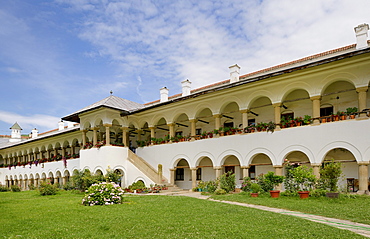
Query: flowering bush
(103, 194)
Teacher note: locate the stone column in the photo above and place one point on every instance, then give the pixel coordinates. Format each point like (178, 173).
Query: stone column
(107, 134)
(277, 114)
(316, 108)
(245, 171)
(363, 177)
(316, 169)
(279, 172)
(160, 173)
(193, 128)
(64, 180)
(139, 132)
(172, 176)
(83, 138)
(152, 131)
(193, 177)
(172, 129)
(244, 117)
(63, 152)
(124, 136)
(95, 135)
(217, 120)
(362, 97)
(218, 171)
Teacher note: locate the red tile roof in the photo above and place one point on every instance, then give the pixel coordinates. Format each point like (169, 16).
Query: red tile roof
(326, 53)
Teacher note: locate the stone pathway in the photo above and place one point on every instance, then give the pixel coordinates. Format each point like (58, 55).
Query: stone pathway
(359, 228)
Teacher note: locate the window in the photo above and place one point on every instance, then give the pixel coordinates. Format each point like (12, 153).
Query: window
(326, 111)
(229, 124)
(251, 122)
(198, 131)
(287, 116)
(252, 172)
(199, 173)
(179, 174)
(178, 133)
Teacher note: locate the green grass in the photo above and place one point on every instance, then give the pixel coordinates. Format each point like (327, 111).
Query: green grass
(28, 215)
(353, 209)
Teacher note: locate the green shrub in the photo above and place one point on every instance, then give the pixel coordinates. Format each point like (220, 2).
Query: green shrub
(255, 188)
(227, 182)
(137, 185)
(15, 188)
(83, 179)
(68, 186)
(4, 188)
(31, 187)
(318, 192)
(48, 189)
(220, 191)
(269, 181)
(103, 194)
(246, 184)
(329, 175)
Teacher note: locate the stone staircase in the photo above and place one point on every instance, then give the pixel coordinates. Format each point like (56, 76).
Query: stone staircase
(149, 171)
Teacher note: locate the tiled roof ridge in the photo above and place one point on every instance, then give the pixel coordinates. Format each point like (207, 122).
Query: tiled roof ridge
(325, 53)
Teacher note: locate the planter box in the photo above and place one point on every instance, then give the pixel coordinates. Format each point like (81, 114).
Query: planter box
(332, 195)
(304, 194)
(274, 193)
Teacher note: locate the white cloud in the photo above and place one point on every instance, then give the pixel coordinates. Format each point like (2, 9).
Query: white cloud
(29, 122)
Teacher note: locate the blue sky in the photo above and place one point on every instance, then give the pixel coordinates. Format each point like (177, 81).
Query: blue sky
(59, 56)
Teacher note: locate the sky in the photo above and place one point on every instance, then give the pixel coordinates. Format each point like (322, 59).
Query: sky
(59, 56)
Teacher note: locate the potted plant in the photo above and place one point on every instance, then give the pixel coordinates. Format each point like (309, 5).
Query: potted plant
(272, 181)
(255, 189)
(351, 111)
(307, 119)
(270, 126)
(304, 178)
(329, 175)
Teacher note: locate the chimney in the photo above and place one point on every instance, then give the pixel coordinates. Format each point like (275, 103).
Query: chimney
(61, 125)
(186, 87)
(70, 124)
(34, 133)
(16, 133)
(164, 94)
(361, 36)
(234, 73)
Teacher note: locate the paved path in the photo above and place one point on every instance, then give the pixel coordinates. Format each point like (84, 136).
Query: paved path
(359, 228)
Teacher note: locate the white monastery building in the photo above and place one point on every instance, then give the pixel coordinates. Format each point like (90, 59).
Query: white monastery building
(203, 133)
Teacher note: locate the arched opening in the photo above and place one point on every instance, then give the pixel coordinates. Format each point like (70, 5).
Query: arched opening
(260, 110)
(205, 171)
(182, 125)
(349, 167)
(232, 164)
(260, 164)
(231, 117)
(206, 121)
(338, 96)
(121, 179)
(296, 104)
(183, 174)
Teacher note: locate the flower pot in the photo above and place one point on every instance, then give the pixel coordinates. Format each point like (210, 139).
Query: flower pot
(274, 193)
(323, 120)
(304, 194)
(254, 195)
(352, 116)
(332, 195)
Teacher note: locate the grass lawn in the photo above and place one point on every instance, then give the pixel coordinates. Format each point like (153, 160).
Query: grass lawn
(355, 209)
(28, 215)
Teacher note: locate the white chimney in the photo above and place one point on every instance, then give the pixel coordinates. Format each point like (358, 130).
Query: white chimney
(61, 125)
(16, 133)
(164, 94)
(70, 124)
(234, 73)
(361, 36)
(186, 87)
(34, 133)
